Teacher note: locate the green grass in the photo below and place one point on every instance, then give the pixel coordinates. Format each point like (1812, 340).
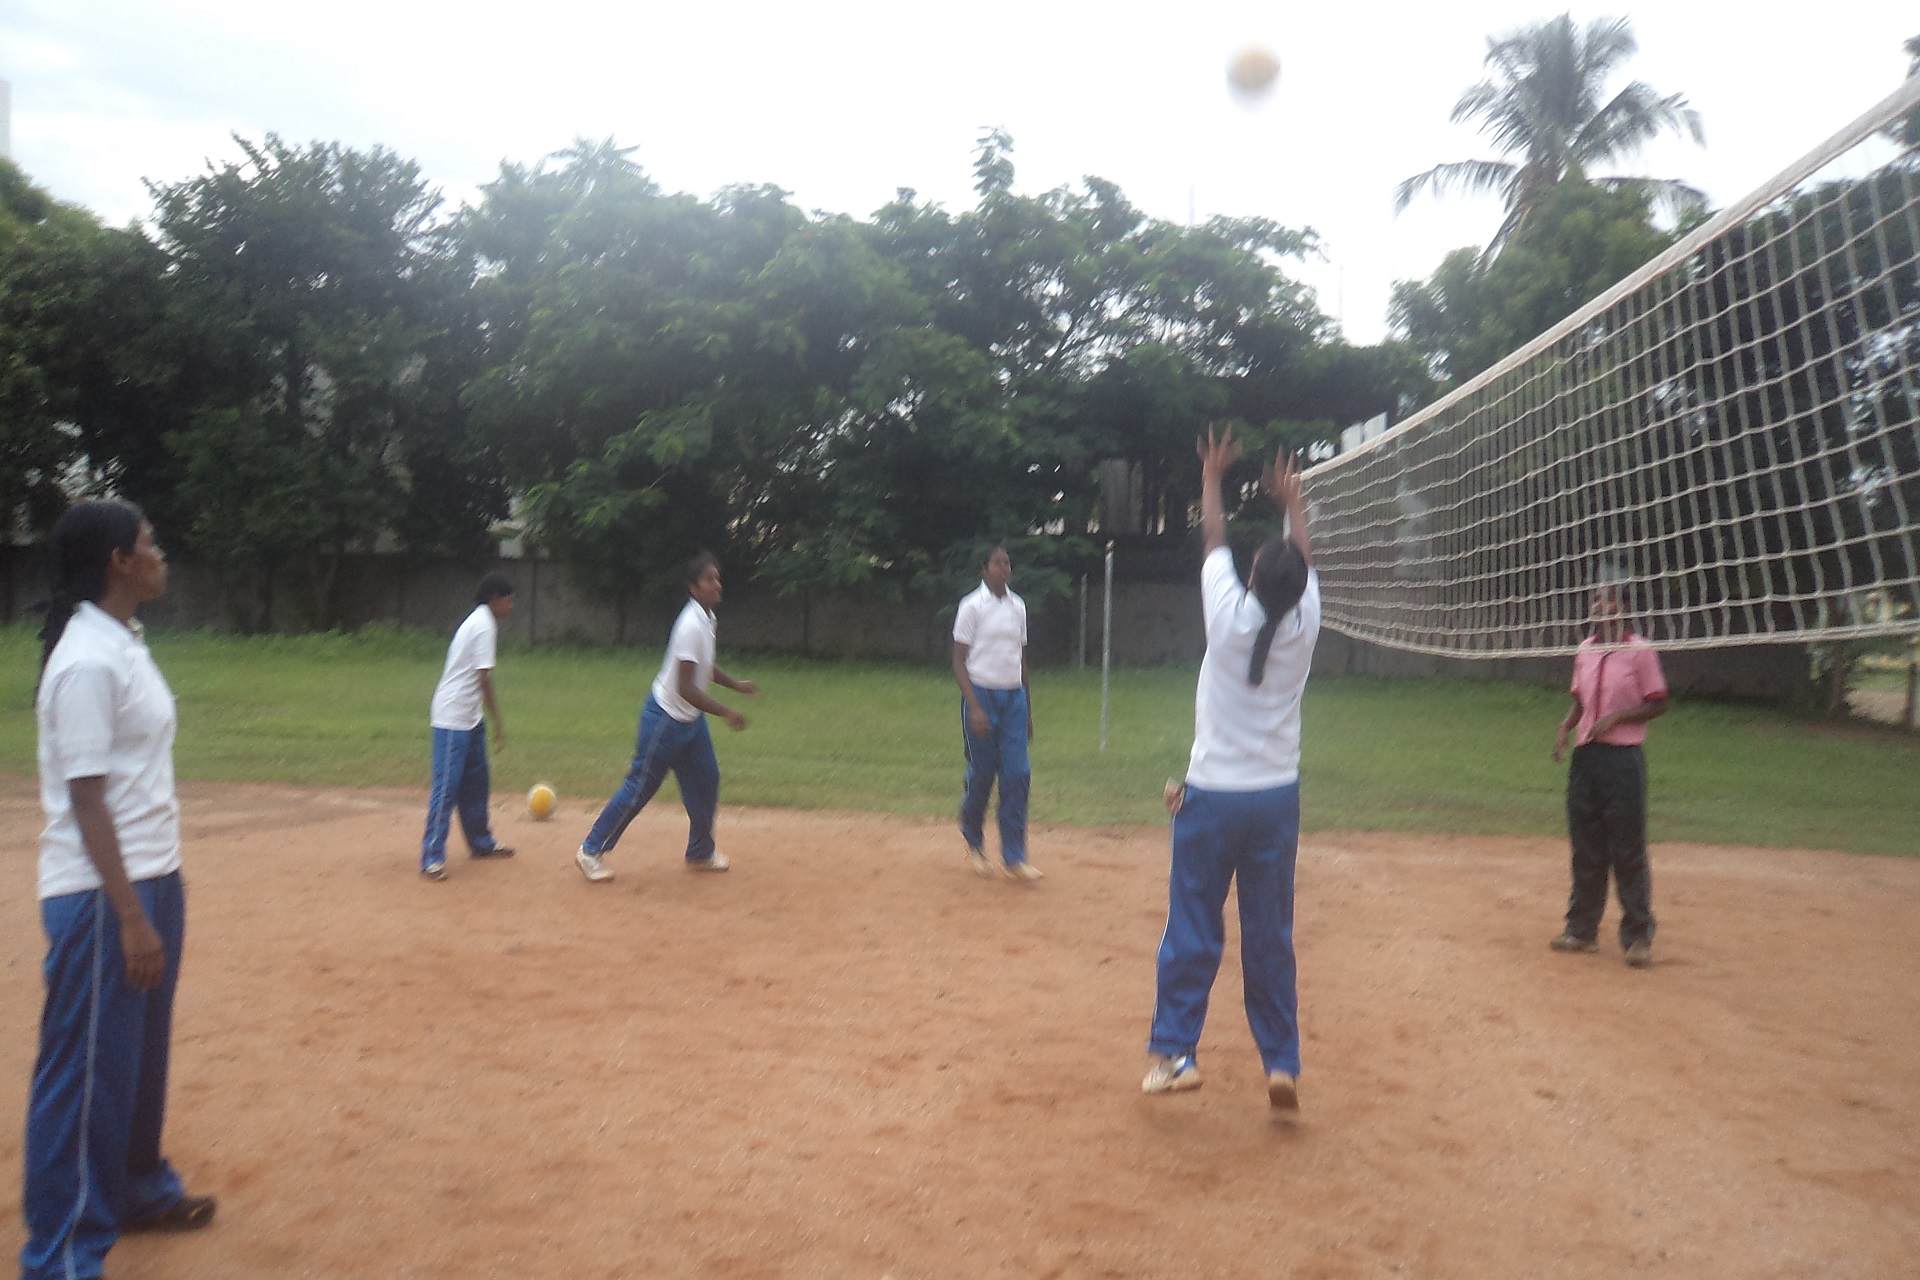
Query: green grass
(1884, 677)
(1400, 755)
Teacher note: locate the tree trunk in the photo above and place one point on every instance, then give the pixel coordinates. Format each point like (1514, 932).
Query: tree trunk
(326, 595)
(267, 602)
(1911, 717)
(1839, 669)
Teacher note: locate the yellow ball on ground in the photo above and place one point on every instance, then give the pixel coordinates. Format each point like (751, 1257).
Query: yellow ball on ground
(541, 801)
(1253, 71)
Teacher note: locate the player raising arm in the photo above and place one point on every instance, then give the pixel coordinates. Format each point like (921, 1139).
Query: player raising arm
(1238, 815)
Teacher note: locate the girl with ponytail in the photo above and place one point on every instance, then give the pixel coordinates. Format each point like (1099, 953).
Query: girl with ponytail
(111, 903)
(1237, 816)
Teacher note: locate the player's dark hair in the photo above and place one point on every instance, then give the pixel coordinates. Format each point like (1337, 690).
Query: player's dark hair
(698, 566)
(993, 547)
(1614, 575)
(1279, 580)
(79, 549)
(492, 587)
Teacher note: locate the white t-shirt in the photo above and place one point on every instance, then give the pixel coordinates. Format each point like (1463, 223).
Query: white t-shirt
(692, 641)
(1247, 737)
(457, 703)
(994, 629)
(104, 711)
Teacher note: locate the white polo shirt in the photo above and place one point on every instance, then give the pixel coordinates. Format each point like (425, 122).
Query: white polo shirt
(457, 703)
(105, 712)
(1247, 737)
(994, 629)
(692, 641)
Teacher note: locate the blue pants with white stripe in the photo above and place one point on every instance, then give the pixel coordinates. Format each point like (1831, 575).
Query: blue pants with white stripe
(686, 748)
(1217, 836)
(460, 781)
(999, 753)
(99, 1094)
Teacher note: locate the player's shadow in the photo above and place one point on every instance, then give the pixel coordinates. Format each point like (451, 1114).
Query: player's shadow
(1183, 1124)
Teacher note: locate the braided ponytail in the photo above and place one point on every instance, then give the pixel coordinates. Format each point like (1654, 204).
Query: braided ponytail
(1279, 580)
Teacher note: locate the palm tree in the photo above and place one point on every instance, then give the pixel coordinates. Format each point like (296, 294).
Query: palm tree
(1543, 107)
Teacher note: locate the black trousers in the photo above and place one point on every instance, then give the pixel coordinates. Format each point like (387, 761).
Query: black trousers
(1607, 820)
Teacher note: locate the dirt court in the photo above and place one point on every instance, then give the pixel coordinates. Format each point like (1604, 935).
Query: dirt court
(851, 1058)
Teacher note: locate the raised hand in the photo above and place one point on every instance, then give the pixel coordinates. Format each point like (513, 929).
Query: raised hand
(1281, 479)
(1216, 453)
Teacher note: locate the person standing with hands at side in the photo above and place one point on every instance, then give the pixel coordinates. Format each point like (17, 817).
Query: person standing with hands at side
(112, 904)
(1618, 687)
(1238, 816)
(996, 716)
(463, 702)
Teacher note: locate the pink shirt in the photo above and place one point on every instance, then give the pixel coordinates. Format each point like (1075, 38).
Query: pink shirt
(1612, 680)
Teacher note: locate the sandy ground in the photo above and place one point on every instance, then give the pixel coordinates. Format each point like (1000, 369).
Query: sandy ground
(851, 1058)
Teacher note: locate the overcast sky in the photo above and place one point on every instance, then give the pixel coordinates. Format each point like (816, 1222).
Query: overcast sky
(842, 103)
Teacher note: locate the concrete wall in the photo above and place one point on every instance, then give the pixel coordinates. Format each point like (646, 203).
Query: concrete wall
(1153, 623)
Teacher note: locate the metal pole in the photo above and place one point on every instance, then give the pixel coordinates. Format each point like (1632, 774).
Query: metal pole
(1106, 645)
(1080, 636)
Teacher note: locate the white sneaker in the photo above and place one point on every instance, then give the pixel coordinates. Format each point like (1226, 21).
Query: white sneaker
(1024, 872)
(1283, 1092)
(716, 861)
(590, 865)
(1171, 1075)
(977, 859)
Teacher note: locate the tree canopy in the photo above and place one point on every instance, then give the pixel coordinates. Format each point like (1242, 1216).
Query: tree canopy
(304, 355)
(1546, 106)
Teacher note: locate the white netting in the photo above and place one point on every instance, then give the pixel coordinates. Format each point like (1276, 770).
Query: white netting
(1736, 425)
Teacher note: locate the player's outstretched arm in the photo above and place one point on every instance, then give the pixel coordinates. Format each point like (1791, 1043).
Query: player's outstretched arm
(1282, 480)
(1216, 455)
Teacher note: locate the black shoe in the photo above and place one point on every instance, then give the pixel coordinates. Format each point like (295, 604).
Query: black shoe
(498, 851)
(1640, 954)
(188, 1213)
(1567, 942)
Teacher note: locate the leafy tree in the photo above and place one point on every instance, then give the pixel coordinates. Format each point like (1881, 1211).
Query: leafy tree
(79, 314)
(656, 365)
(1545, 106)
(1472, 311)
(311, 290)
(834, 403)
(1907, 131)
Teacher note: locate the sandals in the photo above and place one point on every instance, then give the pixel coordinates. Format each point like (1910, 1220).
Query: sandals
(188, 1213)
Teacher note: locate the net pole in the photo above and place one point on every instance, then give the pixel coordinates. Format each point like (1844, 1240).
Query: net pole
(1080, 635)
(1106, 645)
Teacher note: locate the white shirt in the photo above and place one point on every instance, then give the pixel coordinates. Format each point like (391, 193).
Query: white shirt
(457, 703)
(994, 629)
(692, 641)
(1247, 737)
(104, 711)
